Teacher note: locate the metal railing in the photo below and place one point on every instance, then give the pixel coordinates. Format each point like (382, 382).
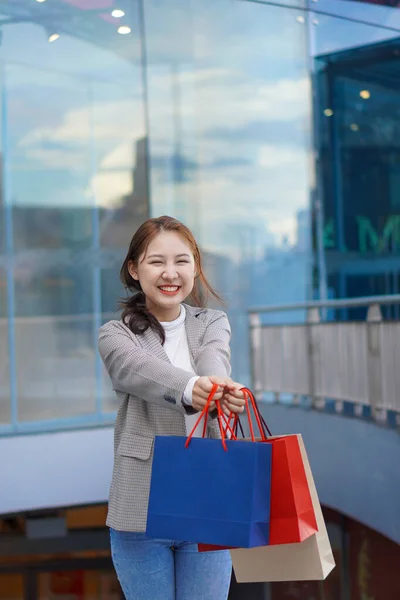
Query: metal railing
(351, 367)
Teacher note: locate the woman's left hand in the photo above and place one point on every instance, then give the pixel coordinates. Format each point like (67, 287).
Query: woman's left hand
(233, 399)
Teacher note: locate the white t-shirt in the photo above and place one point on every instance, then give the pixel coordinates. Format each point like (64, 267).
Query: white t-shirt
(177, 349)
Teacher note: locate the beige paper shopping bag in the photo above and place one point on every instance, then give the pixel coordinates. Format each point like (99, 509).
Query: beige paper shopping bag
(309, 560)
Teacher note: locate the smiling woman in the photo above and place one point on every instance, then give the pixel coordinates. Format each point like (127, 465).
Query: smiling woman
(163, 357)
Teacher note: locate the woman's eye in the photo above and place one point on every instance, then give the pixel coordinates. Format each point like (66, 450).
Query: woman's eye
(157, 262)
(183, 262)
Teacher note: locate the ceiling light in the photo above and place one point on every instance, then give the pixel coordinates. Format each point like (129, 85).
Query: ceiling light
(354, 127)
(328, 112)
(40, 0)
(124, 29)
(116, 13)
(365, 94)
(53, 37)
(300, 19)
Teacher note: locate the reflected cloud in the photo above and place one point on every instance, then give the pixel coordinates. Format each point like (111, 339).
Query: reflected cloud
(232, 166)
(73, 145)
(273, 157)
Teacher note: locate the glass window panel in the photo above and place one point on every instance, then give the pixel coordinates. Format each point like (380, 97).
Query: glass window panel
(357, 114)
(379, 13)
(5, 391)
(229, 104)
(72, 130)
(341, 24)
(122, 190)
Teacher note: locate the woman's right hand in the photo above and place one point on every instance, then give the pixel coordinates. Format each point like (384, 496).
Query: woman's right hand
(202, 389)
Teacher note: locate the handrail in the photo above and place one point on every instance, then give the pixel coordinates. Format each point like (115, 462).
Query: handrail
(351, 364)
(341, 303)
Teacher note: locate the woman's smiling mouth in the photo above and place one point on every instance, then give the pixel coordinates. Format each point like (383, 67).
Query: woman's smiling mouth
(169, 290)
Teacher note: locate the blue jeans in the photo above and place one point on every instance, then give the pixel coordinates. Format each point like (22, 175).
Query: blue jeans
(150, 569)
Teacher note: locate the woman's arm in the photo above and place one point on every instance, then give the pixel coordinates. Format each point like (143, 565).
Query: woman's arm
(214, 355)
(134, 371)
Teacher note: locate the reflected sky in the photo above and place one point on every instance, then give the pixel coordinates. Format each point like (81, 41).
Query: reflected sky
(72, 109)
(229, 99)
(330, 34)
(238, 110)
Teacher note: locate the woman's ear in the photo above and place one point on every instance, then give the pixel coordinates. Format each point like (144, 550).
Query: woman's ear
(132, 271)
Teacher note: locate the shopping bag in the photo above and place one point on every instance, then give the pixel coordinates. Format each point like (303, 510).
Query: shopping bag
(292, 513)
(309, 560)
(209, 490)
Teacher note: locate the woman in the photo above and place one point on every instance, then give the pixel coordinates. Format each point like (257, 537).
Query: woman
(163, 358)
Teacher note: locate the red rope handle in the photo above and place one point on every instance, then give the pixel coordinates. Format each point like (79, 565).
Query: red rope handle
(246, 398)
(250, 395)
(204, 414)
(219, 418)
(228, 426)
(207, 406)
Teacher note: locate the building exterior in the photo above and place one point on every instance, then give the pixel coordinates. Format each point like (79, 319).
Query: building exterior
(359, 161)
(269, 128)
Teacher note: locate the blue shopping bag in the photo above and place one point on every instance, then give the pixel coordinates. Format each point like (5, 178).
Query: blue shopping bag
(210, 491)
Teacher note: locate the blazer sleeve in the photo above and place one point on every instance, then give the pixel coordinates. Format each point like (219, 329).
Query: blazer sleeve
(139, 373)
(214, 355)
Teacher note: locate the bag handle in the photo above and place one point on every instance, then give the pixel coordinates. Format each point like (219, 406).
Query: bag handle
(262, 425)
(204, 415)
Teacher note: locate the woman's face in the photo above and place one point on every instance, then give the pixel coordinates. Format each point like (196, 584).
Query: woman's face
(166, 273)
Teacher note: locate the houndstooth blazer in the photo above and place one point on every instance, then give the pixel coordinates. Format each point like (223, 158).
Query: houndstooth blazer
(150, 390)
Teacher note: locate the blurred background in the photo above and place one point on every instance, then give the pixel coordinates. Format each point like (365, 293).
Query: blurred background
(272, 129)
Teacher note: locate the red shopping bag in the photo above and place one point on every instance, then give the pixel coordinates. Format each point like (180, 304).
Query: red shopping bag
(292, 513)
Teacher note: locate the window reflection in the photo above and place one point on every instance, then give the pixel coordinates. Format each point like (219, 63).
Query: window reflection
(72, 124)
(229, 141)
(358, 81)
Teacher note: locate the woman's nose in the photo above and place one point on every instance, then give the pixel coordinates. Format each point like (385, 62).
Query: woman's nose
(170, 272)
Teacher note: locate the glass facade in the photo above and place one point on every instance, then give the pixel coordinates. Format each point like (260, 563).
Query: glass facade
(227, 124)
(74, 186)
(357, 71)
(269, 128)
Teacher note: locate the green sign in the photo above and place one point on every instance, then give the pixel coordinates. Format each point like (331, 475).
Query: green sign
(369, 240)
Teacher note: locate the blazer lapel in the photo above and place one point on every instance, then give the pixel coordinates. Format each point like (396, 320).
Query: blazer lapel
(195, 329)
(150, 340)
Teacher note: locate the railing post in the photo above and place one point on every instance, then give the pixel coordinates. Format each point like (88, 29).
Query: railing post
(255, 354)
(313, 318)
(313, 315)
(374, 357)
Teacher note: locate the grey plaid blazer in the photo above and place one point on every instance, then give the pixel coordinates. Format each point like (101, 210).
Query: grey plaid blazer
(150, 390)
